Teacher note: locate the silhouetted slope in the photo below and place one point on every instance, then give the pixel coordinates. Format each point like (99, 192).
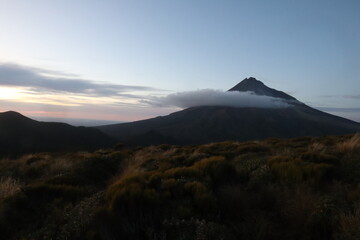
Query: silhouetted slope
(215, 123)
(212, 124)
(19, 134)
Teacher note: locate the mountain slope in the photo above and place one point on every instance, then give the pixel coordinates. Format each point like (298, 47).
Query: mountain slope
(212, 124)
(19, 134)
(206, 124)
(252, 85)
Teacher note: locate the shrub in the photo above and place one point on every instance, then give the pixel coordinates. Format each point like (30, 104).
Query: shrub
(17, 215)
(319, 158)
(133, 205)
(217, 168)
(304, 188)
(97, 169)
(8, 187)
(319, 172)
(289, 172)
(43, 193)
(253, 147)
(354, 194)
(246, 164)
(232, 202)
(183, 173)
(349, 225)
(202, 196)
(299, 208)
(169, 183)
(279, 158)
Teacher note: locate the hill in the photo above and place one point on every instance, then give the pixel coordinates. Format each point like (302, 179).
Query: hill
(205, 124)
(19, 134)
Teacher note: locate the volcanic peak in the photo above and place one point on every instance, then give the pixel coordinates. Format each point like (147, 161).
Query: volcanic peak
(251, 84)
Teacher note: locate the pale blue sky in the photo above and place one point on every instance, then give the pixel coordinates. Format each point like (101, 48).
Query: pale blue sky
(310, 49)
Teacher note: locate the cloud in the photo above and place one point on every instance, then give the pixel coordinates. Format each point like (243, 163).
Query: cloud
(338, 109)
(342, 96)
(113, 112)
(42, 80)
(46, 93)
(327, 96)
(352, 96)
(209, 97)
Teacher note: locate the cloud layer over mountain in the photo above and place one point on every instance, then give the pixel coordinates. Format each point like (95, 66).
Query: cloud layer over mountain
(209, 97)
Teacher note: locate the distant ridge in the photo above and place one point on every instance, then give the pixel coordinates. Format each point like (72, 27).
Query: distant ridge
(20, 134)
(206, 124)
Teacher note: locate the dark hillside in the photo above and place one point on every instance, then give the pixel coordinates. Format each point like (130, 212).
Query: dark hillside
(200, 125)
(19, 134)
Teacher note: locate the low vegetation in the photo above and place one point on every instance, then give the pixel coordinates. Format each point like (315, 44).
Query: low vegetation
(303, 188)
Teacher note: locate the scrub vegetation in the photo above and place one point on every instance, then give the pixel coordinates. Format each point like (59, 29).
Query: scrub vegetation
(303, 188)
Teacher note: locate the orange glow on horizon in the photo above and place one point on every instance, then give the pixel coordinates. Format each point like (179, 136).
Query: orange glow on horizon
(72, 106)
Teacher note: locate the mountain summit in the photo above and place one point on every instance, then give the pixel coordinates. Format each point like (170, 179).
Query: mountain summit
(251, 84)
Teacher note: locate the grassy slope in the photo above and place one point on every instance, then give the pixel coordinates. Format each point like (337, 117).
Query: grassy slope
(304, 188)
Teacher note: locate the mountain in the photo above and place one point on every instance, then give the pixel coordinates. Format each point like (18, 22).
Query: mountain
(19, 134)
(252, 85)
(205, 124)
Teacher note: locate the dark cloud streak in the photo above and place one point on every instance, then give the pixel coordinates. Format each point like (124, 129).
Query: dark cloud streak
(352, 96)
(343, 96)
(34, 78)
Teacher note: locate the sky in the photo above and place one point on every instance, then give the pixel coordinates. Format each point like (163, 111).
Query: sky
(109, 59)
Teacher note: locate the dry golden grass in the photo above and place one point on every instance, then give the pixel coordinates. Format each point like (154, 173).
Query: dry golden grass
(304, 188)
(61, 165)
(133, 165)
(351, 145)
(8, 187)
(285, 151)
(317, 147)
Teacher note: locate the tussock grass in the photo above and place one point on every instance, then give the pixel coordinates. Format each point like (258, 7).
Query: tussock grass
(351, 145)
(317, 147)
(303, 188)
(8, 187)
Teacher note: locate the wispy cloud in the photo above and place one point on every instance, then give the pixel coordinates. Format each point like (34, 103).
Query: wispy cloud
(352, 96)
(328, 96)
(43, 80)
(339, 109)
(356, 96)
(209, 97)
(114, 112)
(47, 93)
